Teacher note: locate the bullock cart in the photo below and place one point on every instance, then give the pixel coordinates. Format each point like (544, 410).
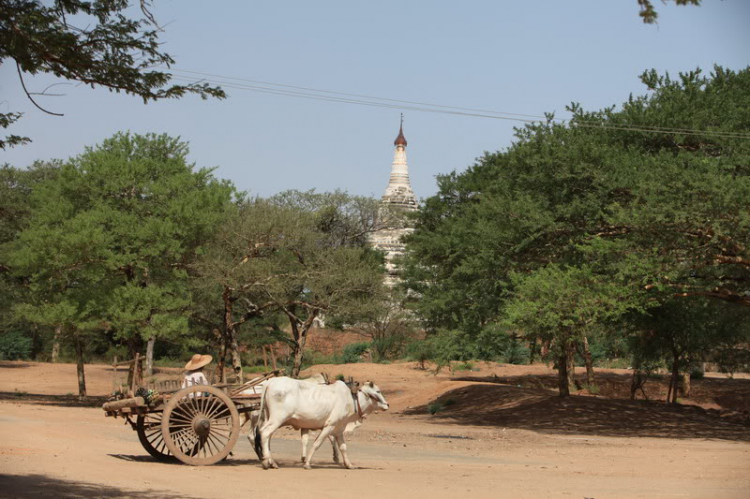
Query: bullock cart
(198, 425)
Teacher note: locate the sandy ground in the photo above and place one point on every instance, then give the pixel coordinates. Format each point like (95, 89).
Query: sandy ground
(504, 435)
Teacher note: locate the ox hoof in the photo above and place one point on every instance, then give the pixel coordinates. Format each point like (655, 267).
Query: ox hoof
(307, 466)
(270, 464)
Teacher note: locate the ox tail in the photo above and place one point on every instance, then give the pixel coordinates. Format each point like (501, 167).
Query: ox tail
(256, 430)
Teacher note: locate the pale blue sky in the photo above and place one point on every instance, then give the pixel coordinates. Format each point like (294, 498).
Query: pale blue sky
(520, 56)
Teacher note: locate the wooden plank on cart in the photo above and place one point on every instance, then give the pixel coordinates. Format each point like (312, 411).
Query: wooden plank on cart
(122, 404)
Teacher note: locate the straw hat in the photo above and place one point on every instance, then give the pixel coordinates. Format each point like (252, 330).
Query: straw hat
(198, 361)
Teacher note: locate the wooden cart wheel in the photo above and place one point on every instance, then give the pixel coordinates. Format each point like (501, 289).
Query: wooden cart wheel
(200, 425)
(148, 427)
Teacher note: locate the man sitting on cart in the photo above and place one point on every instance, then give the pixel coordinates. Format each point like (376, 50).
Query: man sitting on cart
(194, 370)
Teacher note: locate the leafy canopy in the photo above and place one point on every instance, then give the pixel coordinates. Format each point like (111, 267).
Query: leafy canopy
(96, 42)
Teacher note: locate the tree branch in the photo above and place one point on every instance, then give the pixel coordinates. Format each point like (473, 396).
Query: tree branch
(20, 77)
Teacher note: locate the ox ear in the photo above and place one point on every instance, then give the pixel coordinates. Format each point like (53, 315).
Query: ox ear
(371, 384)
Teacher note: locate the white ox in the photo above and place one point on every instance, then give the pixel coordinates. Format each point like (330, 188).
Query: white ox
(253, 417)
(308, 406)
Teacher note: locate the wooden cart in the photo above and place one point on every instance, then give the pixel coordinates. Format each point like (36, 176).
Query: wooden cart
(198, 425)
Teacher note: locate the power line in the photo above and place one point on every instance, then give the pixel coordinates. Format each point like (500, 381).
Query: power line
(383, 102)
(361, 96)
(345, 100)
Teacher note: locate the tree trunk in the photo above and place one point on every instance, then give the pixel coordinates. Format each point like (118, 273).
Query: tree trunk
(545, 348)
(674, 381)
(533, 347)
(230, 338)
(562, 375)
(298, 351)
(589, 365)
(221, 361)
(56, 343)
(236, 359)
(300, 336)
(134, 347)
(272, 351)
(79, 367)
(570, 365)
(265, 357)
(150, 357)
(685, 385)
(639, 379)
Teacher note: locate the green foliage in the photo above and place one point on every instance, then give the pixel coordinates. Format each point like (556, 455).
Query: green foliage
(274, 260)
(463, 366)
(683, 333)
(109, 48)
(578, 229)
(435, 407)
(440, 405)
(109, 238)
(15, 346)
(497, 343)
(353, 352)
(255, 369)
(732, 359)
(592, 389)
(447, 346)
(420, 351)
(648, 12)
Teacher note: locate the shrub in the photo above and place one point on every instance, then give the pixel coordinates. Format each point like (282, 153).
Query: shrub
(420, 351)
(15, 346)
(440, 405)
(435, 407)
(167, 362)
(353, 352)
(592, 389)
(495, 342)
(464, 366)
(255, 369)
(313, 358)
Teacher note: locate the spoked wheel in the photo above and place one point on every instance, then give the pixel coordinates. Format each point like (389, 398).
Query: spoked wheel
(200, 425)
(148, 427)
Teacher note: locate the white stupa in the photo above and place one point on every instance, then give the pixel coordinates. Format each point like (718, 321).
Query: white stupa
(398, 197)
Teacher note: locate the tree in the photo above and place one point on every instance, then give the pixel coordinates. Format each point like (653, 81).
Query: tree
(682, 333)
(297, 254)
(331, 269)
(110, 240)
(563, 306)
(93, 42)
(655, 192)
(231, 276)
(16, 186)
(386, 322)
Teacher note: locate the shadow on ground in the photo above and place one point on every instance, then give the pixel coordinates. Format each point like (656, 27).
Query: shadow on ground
(7, 364)
(54, 400)
(724, 393)
(542, 410)
(44, 486)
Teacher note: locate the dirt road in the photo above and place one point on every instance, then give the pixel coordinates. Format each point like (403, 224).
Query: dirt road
(583, 448)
